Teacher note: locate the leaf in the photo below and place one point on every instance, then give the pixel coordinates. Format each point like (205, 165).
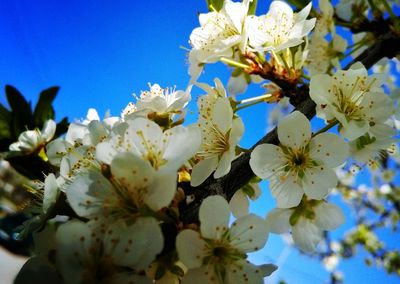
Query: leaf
(62, 127)
(5, 119)
(21, 110)
(44, 109)
(252, 8)
(214, 5)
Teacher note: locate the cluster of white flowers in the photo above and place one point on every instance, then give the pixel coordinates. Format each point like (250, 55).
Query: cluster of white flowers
(126, 178)
(230, 34)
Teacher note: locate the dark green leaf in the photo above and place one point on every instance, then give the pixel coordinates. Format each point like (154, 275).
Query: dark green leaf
(5, 119)
(20, 109)
(44, 109)
(62, 127)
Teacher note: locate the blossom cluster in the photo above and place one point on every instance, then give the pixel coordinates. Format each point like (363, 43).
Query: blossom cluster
(129, 179)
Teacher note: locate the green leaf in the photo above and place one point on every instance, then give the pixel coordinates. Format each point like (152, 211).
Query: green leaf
(215, 5)
(44, 109)
(5, 119)
(62, 127)
(252, 8)
(21, 110)
(38, 270)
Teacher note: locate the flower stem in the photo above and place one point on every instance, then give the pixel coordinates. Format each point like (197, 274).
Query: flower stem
(326, 127)
(252, 101)
(234, 63)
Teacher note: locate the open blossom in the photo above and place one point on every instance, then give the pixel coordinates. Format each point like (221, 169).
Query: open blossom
(133, 185)
(146, 139)
(324, 55)
(32, 140)
(87, 253)
(163, 102)
(280, 28)
(353, 98)
(217, 254)
(301, 163)
(221, 132)
(369, 146)
(306, 222)
(218, 33)
(325, 23)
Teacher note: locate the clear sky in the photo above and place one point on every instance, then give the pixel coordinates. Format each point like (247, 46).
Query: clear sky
(100, 52)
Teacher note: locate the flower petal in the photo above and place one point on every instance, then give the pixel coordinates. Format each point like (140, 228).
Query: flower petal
(294, 130)
(214, 216)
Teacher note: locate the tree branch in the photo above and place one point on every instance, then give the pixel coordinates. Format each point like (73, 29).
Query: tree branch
(387, 45)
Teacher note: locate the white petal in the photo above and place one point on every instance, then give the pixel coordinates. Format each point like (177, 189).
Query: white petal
(49, 129)
(162, 190)
(136, 245)
(278, 220)
(224, 165)
(73, 241)
(294, 130)
(50, 191)
(191, 248)
(222, 114)
(244, 272)
(329, 148)
(214, 216)
(249, 233)
(202, 275)
(288, 193)
(318, 181)
(306, 235)
(87, 192)
(264, 160)
(239, 204)
(328, 216)
(202, 170)
(183, 143)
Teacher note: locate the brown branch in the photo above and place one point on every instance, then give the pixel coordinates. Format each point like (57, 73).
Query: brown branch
(387, 45)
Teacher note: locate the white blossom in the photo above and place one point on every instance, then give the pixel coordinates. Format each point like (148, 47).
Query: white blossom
(218, 253)
(32, 140)
(306, 222)
(96, 255)
(218, 34)
(353, 98)
(301, 163)
(280, 28)
(221, 132)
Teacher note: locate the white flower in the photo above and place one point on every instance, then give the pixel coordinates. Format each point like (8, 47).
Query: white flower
(368, 146)
(323, 55)
(218, 253)
(133, 185)
(221, 132)
(218, 33)
(344, 8)
(280, 28)
(32, 140)
(86, 255)
(325, 23)
(50, 192)
(306, 222)
(301, 163)
(353, 98)
(159, 101)
(146, 139)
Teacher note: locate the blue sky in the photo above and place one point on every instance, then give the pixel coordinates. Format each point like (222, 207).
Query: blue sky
(100, 52)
